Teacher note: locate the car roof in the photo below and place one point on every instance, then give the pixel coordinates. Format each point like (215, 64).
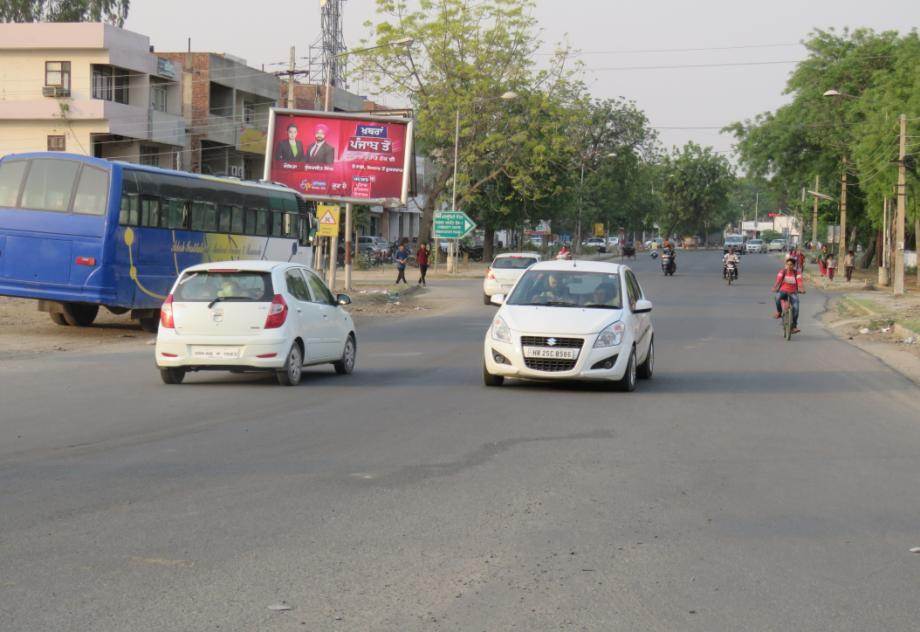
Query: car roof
(245, 265)
(506, 255)
(576, 265)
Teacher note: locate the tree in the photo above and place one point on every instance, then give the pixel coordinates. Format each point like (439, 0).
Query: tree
(695, 187)
(112, 11)
(464, 57)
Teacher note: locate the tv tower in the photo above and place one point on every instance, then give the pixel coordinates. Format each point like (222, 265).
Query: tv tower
(330, 45)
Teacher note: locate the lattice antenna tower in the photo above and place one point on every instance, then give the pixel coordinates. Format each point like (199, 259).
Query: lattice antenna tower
(325, 53)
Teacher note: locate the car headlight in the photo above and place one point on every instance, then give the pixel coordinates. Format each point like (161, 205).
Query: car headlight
(500, 330)
(610, 336)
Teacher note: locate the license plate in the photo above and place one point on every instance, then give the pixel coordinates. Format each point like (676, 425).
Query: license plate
(550, 354)
(216, 353)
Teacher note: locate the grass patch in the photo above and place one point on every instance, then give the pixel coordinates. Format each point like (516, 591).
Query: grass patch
(911, 323)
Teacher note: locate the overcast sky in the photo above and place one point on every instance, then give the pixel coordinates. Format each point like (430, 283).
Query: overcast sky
(683, 103)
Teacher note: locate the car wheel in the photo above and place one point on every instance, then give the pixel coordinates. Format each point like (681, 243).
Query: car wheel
(349, 356)
(647, 368)
(628, 383)
(150, 324)
(58, 319)
(172, 375)
(491, 380)
(293, 367)
(79, 314)
(486, 299)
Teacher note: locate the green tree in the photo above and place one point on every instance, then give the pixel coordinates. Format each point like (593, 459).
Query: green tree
(695, 187)
(113, 11)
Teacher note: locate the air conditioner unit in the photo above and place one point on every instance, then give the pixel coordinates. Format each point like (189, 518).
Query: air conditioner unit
(55, 91)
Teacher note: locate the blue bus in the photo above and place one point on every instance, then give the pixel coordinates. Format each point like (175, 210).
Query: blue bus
(78, 233)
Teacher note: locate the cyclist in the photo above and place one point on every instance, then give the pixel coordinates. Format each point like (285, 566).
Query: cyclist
(788, 286)
(732, 256)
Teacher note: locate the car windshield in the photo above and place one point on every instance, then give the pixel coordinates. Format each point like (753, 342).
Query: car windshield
(568, 288)
(212, 285)
(756, 242)
(513, 263)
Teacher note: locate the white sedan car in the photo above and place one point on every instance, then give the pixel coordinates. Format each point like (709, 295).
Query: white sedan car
(572, 320)
(504, 272)
(253, 315)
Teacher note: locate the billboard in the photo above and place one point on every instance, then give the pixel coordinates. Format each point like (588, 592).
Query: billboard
(339, 157)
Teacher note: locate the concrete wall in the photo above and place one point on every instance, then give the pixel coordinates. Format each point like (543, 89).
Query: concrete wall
(24, 136)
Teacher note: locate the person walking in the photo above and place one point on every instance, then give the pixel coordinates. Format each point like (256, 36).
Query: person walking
(822, 260)
(401, 256)
(831, 263)
(849, 264)
(422, 258)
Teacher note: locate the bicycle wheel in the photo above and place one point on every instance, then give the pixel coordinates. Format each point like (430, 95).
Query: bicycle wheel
(787, 322)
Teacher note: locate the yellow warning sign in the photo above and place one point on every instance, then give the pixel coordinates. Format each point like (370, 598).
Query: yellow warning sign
(327, 216)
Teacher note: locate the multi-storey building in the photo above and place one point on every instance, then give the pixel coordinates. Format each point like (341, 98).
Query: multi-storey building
(88, 88)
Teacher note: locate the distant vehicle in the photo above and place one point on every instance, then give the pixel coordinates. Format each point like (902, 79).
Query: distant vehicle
(777, 245)
(755, 246)
(613, 242)
(734, 241)
(572, 320)
(504, 272)
(597, 242)
(253, 316)
(80, 233)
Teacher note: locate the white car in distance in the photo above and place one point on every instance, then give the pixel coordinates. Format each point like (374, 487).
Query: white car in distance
(572, 320)
(504, 272)
(253, 316)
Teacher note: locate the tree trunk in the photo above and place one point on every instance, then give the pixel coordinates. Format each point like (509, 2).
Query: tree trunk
(487, 244)
(431, 201)
(917, 247)
(871, 250)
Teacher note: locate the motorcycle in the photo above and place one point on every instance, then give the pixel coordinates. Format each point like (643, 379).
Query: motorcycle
(668, 265)
(731, 272)
(653, 254)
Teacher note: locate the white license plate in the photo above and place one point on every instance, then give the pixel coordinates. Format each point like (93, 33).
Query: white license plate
(216, 353)
(550, 354)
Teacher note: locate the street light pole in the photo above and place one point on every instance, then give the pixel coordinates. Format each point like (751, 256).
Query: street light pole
(451, 263)
(899, 221)
(842, 249)
(814, 214)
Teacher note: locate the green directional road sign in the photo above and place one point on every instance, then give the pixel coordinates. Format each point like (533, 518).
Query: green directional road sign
(452, 225)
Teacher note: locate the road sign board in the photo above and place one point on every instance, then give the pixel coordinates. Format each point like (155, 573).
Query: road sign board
(327, 216)
(452, 225)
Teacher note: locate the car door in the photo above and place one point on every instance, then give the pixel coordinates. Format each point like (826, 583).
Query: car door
(642, 323)
(332, 326)
(305, 314)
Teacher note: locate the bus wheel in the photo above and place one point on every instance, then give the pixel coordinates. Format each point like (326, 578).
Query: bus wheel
(79, 314)
(150, 324)
(58, 318)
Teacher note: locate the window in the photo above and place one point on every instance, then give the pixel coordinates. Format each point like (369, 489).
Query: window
(204, 216)
(289, 227)
(92, 192)
(150, 155)
(159, 97)
(321, 293)
(250, 227)
(223, 219)
(243, 286)
(564, 288)
(262, 223)
(57, 142)
(110, 84)
(297, 286)
(150, 212)
(49, 184)
(57, 74)
(11, 172)
(632, 289)
(130, 200)
(176, 212)
(236, 220)
(249, 113)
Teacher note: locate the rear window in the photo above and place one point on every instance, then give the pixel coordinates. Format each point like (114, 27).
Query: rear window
(513, 263)
(49, 184)
(254, 287)
(11, 172)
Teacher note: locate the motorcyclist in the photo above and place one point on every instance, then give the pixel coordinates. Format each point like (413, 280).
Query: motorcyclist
(732, 256)
(668, 255)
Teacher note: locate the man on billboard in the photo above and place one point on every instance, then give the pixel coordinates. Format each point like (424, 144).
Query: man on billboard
(291, 150)
(321, 152)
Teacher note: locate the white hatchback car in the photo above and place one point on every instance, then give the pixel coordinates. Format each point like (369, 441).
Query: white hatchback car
(572, 320)
(504, 272)
(253, 316)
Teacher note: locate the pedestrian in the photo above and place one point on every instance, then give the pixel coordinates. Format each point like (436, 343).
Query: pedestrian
(402, 254)
(849, 264)
(800, 258)
(831, 264)
(422, 257)
(822, 260)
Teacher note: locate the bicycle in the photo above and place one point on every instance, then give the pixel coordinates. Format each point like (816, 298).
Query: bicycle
(786, 317)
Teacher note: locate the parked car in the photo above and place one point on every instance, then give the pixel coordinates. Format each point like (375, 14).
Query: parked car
(777, 245)
(572, 320)
(504, 272)
(755, 246)
(598, 243)
(253, 316)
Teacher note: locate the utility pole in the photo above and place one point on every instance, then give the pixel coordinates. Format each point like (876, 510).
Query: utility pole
(843, 211)
(451, 264)
(756, 213)
(814, 214)
(899, 221)
(884, 274)
(291, 69)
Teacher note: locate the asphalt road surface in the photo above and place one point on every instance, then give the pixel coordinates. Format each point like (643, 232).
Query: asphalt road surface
(753, 484)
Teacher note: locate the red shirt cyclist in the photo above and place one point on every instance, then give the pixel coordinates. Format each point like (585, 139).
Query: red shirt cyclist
(788, 286)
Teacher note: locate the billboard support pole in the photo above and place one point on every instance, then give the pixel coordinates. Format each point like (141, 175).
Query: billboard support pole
(348, 246)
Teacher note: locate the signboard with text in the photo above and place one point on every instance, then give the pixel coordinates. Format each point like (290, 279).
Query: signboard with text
(452, 225)
(327, 220)
(340, 157)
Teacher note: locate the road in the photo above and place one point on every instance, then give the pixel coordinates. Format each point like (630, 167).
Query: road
(753, 484)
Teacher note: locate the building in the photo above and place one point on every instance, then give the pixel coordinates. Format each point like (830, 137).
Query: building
(88, 88)
(226, 104)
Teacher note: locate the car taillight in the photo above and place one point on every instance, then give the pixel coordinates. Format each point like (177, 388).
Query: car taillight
(277, 313)
(166, 314)
(490, 275)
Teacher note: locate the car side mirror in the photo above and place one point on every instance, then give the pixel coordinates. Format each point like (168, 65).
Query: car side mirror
(643, 306)
(343, 299)
(498, 299)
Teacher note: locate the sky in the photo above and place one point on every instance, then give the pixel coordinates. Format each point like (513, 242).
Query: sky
(619, 41)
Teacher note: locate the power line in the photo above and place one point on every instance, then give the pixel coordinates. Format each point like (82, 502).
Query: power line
(670, 50)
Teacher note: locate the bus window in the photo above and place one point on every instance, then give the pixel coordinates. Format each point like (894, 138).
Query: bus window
(176, 211)
(92, 192)
(210, 217)
(223, 218)
(11, 172)
(261, 223)
(236, 220)
(204, 216)
(130, 201)
(150, 212)
(291, 222)
(49, 184)
(250, 227)
(277, 224)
